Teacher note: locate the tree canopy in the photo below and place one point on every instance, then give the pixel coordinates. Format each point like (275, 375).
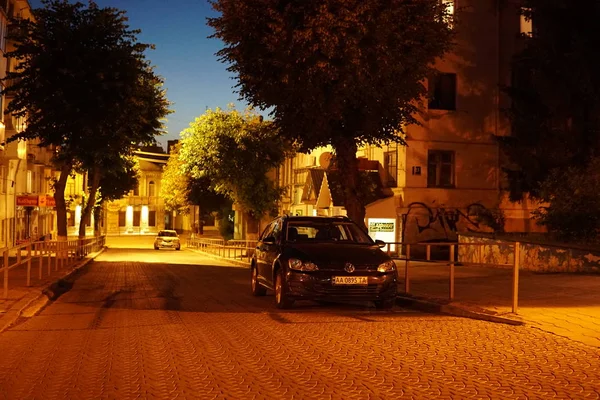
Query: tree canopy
(85, 87)
(555, 93)
(175, 184)
(339, 73)
(235, 152)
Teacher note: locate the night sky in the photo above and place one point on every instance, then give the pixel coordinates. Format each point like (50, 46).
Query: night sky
(184, 56)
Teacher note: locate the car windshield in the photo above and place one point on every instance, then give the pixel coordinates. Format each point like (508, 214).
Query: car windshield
(317, 231)
(167, 233)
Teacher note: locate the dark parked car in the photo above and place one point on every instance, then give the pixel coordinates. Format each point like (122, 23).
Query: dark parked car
(321, 258)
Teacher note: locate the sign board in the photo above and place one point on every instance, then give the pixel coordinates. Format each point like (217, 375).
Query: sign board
(47, 201)
(383, 229)
(27, 201)
(30, 200)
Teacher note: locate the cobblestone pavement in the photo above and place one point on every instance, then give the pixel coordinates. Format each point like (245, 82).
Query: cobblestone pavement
(134, 330)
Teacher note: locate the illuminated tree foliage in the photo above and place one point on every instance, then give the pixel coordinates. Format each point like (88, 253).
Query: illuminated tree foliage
(335, 72)
(236, 151)
(175, 184)
(85, 87)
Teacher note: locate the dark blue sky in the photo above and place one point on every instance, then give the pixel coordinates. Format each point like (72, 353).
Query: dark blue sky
(184, 56)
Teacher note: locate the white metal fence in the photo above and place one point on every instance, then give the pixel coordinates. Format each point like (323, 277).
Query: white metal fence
(44, 256)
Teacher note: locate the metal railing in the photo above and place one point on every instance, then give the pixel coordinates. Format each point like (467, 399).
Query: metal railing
(46, 255)
(243, 250)
(403, 252)
(234, 249)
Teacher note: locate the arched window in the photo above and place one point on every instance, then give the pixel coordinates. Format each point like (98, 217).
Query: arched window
(151, 189)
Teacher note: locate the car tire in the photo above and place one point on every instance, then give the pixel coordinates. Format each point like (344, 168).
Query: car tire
(178, 248)
(155, 247)
(282, 301)
(257, 289)
(385, 304)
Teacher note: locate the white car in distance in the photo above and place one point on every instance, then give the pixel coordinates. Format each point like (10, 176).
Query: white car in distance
(167, 239)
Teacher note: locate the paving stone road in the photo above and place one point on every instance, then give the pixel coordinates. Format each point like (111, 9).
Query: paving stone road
(160, 329)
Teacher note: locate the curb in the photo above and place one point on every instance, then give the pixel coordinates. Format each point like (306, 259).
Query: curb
(430, 306)
(34, 302)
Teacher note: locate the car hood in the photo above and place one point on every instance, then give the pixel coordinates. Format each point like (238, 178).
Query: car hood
(336, 255)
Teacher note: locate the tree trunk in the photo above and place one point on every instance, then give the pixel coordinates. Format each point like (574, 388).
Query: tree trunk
(61, 205)
(200, 221)
(97, 216)
(86, 211)
(347, 163)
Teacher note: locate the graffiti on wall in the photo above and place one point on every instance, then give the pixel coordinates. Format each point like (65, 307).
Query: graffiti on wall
(423, 222)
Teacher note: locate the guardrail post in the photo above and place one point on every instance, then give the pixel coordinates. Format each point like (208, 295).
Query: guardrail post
(406, 274)
(49, 256)
(28, 264)
(481, 254)
(428, 251)
(38, 246)
(515, 299)
(452, 272)
(6, 273)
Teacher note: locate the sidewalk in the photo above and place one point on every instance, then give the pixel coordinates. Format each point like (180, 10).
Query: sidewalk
(22, 298)
(564, 304)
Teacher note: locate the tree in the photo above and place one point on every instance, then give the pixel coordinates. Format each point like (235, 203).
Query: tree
(175, 184)
(116, 182)
(235, 151)
(339, 73)
(85, 87)
(574, 205)
(207, 200)
(555, 94)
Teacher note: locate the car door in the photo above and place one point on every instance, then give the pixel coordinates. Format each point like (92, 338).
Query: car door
(272, 249)
(261, 254)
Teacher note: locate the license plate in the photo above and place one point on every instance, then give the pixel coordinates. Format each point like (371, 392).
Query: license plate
(350, 280)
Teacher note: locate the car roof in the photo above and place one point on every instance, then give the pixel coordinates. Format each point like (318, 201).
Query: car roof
(168, 230)
(316, 218)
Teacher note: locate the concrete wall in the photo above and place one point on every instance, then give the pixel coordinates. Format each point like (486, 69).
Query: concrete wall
(533, 257)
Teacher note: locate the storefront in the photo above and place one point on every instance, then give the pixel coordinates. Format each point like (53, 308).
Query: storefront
(34, 216)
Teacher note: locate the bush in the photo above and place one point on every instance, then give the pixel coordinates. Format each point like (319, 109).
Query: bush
(574, 202)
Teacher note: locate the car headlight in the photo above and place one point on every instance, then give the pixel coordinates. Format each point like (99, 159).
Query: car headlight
(387, 266)
(299, 265)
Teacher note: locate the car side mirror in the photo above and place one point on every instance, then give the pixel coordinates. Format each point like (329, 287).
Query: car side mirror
(380, 243)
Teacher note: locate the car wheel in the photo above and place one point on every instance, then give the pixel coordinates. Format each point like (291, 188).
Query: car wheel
(155, 247)
(257, 289)
(385, 304)
(282, 300)
(178, 248)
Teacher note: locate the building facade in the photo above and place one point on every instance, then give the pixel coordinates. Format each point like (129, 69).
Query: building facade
(448, 177)
(26, 200)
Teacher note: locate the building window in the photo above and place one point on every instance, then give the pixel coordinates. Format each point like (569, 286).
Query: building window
(440, 168)
(136, 217)
(151, 189)
(122, 218)
(450, 11)
(442, 92)
(3, 179)
(29, 181)
(151, 218)
(136, 190)
(526, 23)
(390, 161)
